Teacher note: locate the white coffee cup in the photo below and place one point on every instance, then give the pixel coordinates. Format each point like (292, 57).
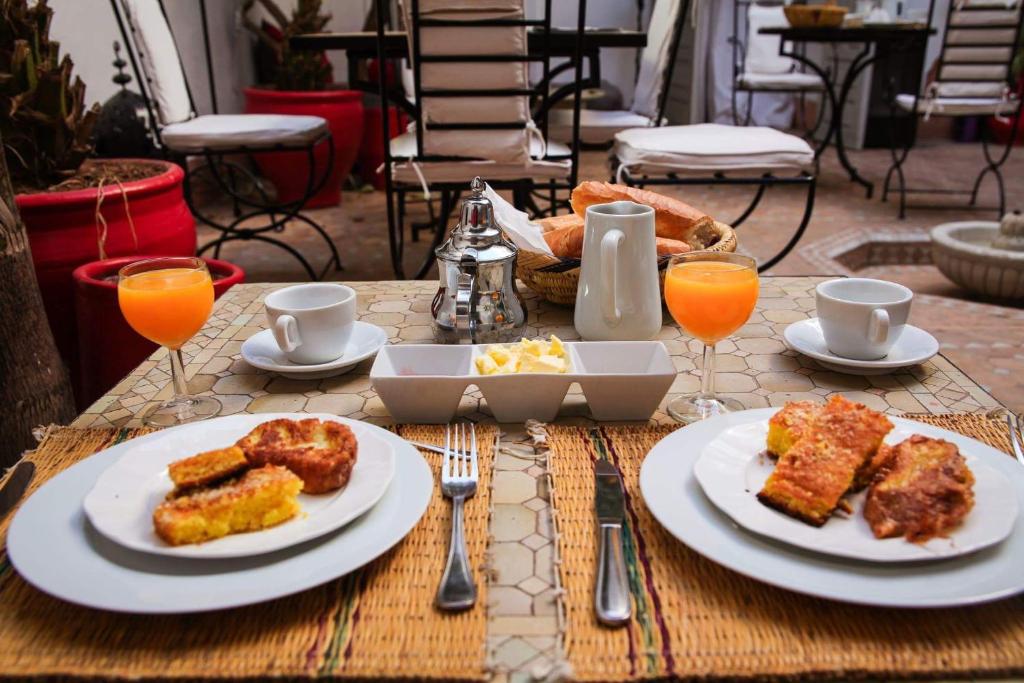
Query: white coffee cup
(312, 323)
(862, 318)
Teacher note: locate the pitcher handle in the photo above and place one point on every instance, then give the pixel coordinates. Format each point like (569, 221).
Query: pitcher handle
(465, 295)
(610, 275)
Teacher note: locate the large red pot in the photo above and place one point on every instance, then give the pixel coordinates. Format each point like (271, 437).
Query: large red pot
(61, 230)
(289, 171)
(108, 347)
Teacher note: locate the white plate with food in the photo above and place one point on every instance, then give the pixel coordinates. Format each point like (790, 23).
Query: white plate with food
(342, 466)
(674, 496)
(734, 466)
(50, 533)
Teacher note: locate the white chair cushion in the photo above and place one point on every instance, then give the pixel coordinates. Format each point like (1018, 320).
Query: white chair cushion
(711, 147)
(957, 106)
(650, 80)
(596, 127)
(762, 51)
(257, 132)
(404, 146)
(794, 80)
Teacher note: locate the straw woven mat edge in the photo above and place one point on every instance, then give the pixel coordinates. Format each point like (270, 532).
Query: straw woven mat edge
(696, 619)
(377, 621)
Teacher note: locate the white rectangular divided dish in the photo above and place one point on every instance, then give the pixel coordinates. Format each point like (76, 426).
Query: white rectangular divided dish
(424, 383)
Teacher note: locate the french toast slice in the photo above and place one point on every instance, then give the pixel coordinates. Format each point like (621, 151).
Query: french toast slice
(322, 454)
(789, 425)
(258, 499)
(923, 490)
(206, 468)
(810, 480)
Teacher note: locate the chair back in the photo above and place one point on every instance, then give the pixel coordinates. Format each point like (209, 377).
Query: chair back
(658, 57)
(762, 54)
(471, 78)
(155, 59)
(978, 49)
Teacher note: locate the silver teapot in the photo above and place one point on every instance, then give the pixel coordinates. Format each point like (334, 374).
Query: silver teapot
(477, 302)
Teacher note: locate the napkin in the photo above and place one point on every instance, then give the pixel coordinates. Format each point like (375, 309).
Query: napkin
(524, 233)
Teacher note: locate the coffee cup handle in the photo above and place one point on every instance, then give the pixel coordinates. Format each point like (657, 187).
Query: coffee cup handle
(878, 326)
(286, 333)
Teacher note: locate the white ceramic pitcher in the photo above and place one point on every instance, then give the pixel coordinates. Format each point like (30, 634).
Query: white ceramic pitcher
(618, 297)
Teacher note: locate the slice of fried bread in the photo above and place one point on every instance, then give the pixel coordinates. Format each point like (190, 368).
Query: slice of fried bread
(790, 424)
(258, 499)
(924, 489)
(206, 468)
(322, 454)
(811, 478)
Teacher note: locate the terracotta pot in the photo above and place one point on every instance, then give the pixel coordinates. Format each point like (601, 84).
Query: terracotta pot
(289, 171)
(61, 230)
(108, 348)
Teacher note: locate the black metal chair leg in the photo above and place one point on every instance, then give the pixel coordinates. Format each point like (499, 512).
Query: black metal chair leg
(808, 211)
(753, 204)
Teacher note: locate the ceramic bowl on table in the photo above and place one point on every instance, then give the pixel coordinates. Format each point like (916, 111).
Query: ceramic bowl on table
(424, 383)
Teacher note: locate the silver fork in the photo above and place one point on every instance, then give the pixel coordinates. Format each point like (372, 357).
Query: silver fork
(1016, 438)
(458, 481)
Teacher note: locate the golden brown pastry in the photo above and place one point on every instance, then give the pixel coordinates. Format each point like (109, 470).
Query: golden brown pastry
(322, 454)
(206, 468)
(922, 490)
(673, 219)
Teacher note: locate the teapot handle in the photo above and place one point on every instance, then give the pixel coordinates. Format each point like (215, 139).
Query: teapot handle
(465, 296)
(610, 275)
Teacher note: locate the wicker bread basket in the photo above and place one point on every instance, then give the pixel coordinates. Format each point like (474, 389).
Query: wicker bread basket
(560, 287)
(815, 16)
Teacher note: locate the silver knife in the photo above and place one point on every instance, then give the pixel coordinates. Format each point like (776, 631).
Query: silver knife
(14, 488)
(611, 592)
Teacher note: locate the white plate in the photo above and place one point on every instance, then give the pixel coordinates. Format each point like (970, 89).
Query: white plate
(914, 347)
(261, 351)
(50, 533)
(676, 500)
(121, 503)
(731, 470)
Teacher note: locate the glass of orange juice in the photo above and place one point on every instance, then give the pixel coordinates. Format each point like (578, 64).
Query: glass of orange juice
(167, 300)
(710, 295)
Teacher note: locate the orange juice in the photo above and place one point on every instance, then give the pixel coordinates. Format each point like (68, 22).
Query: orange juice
(166, 306)
(710, 299)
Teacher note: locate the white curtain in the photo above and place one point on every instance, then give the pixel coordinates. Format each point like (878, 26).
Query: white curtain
(712, 91)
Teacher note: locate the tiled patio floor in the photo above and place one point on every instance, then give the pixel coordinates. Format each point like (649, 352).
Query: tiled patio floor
(985, 339)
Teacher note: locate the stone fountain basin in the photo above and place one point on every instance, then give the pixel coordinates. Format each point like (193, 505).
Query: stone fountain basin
(963, 252)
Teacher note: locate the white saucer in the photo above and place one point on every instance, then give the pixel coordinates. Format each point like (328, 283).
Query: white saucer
(914, 347)
(261, 351)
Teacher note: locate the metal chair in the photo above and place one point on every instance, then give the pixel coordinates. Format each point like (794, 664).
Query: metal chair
(973, 78)
(477, 113)
(758, 66)
(215, 138)
(713, 154)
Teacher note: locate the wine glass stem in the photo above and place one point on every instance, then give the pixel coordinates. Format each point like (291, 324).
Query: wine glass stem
(178, 375)
(707, 375)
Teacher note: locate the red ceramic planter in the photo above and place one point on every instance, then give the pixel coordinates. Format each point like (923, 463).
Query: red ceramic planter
(61, 230)
(108, 348)
(289, 171)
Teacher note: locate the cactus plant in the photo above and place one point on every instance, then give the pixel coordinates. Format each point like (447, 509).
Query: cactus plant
(293, 69)
(44, 121)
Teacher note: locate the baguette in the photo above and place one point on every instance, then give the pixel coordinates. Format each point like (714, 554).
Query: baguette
(567, 242)
(673, 219)
(552, 223)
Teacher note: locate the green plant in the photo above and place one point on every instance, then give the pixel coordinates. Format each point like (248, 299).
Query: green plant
(44, 122)
(293, 69)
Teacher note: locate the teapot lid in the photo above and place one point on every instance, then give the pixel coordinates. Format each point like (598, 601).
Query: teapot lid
(476, 231)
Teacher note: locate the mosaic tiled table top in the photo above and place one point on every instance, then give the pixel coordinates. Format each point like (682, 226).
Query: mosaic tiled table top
(753, 367)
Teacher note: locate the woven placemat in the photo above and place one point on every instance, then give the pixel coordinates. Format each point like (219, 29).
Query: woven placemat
(377, 621)
(696, 619)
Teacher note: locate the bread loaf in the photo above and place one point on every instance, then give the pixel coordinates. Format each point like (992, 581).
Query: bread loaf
(673, 219)
(553, 223)
(567, 241)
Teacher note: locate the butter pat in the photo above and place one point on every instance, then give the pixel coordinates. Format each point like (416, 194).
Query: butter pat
(528, 355)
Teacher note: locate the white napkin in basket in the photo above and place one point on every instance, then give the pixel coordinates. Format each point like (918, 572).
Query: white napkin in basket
(523, 232)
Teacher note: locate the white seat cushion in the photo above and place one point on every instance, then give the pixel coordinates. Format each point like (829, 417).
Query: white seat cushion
(709, 148)
(404, 146)
(250, 131)
(958, 106)
(793, 80)
(596, 127)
